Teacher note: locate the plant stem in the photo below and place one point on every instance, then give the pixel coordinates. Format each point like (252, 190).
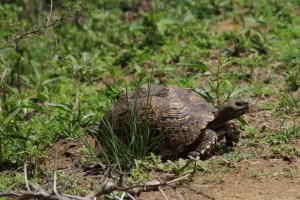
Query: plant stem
(18, 67)
(77, 92)
(1, 83)
(218, 82)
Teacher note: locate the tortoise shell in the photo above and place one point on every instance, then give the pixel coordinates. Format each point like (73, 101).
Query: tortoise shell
(177, 113)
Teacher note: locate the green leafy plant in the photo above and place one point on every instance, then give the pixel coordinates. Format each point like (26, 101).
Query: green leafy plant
(293, 76)
(283, 136)
(279, 142)
(289, 103)
(183, 167)
(219, 87)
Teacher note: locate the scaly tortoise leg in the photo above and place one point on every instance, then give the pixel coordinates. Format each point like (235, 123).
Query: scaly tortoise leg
(208, 142)
(231, 131)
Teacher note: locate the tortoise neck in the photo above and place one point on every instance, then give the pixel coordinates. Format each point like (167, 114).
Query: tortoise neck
(220, 119)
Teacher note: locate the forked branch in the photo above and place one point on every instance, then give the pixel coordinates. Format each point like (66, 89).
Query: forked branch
(36, 31)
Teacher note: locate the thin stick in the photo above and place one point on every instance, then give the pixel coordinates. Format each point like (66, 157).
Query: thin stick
(163, 193)
(25, 177)
(5, 69)
(50, 13)
(54, 174)
(55, 177)
(178, 179)
(34, 186)
(77, 93)
(197, 192)
(2, 87)
(179, 195)
(72, 196)
(151, 185)
(116, 197)
(123, 195)
(131, 196)
(34, 31)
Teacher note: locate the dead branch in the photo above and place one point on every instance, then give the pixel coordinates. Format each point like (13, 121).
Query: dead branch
(107, 186)
(31, 195)
(111, 186)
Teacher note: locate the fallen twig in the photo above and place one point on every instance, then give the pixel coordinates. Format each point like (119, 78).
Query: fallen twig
(179, 195)
(107, 187)
(163, 193)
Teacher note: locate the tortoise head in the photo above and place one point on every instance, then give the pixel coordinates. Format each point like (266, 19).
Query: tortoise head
(228, 111)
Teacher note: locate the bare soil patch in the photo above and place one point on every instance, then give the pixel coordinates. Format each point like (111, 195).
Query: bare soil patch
(68, 153)
(297, 11)
(225, 25)
(255, 179)
(251, 179)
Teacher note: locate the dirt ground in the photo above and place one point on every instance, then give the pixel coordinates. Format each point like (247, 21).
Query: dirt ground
(254, 178)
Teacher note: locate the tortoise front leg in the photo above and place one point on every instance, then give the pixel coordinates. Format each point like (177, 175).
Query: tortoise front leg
(231, 131)
(208, 142)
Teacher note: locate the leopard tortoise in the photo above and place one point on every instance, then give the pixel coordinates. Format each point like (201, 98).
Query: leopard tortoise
(187, 122)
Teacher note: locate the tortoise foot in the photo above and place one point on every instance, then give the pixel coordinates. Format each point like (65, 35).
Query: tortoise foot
(194, 154)
(207, 144)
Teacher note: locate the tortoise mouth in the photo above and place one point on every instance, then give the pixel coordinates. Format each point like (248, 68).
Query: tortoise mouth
(241, 107)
